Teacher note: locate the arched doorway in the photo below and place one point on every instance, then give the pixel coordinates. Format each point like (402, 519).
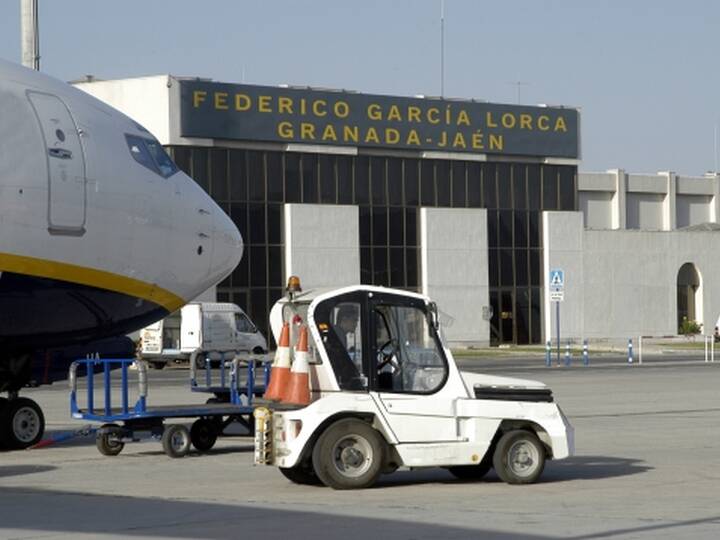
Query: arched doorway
(689, 294)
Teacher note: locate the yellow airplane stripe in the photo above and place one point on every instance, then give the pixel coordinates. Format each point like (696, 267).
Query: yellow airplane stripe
(90, 276)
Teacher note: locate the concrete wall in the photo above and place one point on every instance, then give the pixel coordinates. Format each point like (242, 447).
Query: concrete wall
(622, 284)
(322, 244)
(663, 201)
(144, 99)
(454, 270)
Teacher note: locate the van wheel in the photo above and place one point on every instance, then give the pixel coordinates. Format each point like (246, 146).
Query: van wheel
(176, 441)
(519, 457)
(301, 474)
(203, 434)
(349, 455)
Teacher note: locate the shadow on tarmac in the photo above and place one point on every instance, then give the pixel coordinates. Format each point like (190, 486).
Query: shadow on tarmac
(73, 513)
(7, 471)
(566, 470)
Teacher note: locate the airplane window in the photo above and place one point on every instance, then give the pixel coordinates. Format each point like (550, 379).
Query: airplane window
(150, 154)
(164, 163)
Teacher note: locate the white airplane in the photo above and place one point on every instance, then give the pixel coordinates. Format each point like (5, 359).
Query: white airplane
(100, 233)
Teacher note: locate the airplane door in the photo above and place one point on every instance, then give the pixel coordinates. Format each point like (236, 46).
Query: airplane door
(66, 164)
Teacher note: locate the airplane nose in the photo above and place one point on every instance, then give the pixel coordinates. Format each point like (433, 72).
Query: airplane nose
(227, 246)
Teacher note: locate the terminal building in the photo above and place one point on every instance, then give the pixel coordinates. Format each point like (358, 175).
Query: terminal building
(471, 203)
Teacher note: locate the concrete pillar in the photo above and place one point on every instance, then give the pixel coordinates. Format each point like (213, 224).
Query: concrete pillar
(322, 245)
(454, 270)
(563, 244)
(619, 199)
(715, 201)
(669, 204)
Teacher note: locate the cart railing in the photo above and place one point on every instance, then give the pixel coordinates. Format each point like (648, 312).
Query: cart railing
(106, 410)
(204, 381)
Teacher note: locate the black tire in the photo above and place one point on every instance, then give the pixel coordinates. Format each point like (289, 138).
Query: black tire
(301, 474)
(3, 404)
(200, 362)
(350, 454)
(473, 472)
(157, 365)
(519, 457)
(107, 440)
(22, 423)
(176, 441)
(203, 433)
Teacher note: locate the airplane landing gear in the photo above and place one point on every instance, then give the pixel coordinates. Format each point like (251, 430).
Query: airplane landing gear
(22, 423)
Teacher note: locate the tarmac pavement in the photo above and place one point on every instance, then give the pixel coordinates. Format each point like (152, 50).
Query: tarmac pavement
(647, 466)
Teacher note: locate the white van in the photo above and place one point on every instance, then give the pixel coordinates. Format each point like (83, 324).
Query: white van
(203, 327)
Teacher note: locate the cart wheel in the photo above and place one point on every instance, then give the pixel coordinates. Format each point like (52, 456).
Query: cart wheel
(107, 440)
(24, 423)
(203, 434)
(176, 441)
(200, 362)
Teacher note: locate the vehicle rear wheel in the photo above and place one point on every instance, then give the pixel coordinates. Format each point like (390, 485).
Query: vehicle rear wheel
(176, 441)
(301, 474)
(108, 440)
(349, 455)
(473, 472)
(519, 457)
(23, 423)
(203, 434)
(200, 362)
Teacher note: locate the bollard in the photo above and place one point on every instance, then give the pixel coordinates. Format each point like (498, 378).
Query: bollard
(567, 353)
(705, 339)
(548, 360)
(586, 358)
(630, 351)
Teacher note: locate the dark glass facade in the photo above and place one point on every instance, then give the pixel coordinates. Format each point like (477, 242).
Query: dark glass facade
(252, 186)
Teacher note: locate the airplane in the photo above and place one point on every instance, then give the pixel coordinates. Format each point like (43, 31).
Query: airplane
(100, 233)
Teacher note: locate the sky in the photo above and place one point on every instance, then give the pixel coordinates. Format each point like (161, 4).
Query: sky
(644, 74)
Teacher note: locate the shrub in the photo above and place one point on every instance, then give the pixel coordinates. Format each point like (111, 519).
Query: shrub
(689, 327)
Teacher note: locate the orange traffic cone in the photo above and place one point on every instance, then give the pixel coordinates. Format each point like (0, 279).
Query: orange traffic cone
(299, 392)
(280, 372)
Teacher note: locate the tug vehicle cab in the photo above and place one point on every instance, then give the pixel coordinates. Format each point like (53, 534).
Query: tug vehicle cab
(386, 393)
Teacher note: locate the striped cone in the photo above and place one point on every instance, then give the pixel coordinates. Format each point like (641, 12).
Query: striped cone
(280, 372)
(299, 392)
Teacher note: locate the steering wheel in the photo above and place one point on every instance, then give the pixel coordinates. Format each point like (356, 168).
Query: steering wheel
(388, 352)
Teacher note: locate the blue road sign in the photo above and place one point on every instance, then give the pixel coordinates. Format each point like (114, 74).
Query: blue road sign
(557, 280)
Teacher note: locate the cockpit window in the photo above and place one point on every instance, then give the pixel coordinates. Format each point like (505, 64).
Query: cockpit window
(150, 154)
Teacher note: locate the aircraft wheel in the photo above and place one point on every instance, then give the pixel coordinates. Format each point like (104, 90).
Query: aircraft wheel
(108, 440)
(519, 457)
(349, 455)
(23, 423)
(176, 441)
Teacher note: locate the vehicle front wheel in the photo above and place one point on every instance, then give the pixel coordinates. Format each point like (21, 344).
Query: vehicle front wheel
(349, 455)
(519, 457)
